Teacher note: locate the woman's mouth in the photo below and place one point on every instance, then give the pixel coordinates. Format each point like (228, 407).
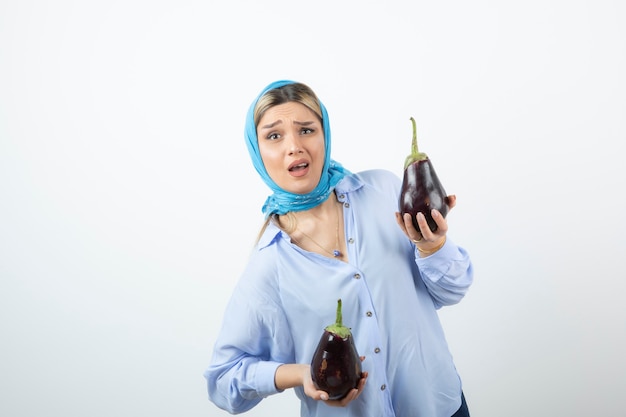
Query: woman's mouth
(298, 169)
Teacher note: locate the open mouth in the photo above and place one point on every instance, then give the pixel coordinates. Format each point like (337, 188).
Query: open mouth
(298, 167)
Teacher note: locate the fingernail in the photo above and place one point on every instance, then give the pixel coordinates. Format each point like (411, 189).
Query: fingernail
(324, 397)
(434, 213)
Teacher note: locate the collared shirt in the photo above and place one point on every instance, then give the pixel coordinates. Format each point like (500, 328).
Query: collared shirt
(286, 296)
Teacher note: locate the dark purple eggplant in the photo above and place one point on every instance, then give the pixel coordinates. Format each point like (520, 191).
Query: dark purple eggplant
(421, 189)
(336, 365)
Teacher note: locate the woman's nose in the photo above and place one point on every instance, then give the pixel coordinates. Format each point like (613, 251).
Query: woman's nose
(295, 150)
(294, 145)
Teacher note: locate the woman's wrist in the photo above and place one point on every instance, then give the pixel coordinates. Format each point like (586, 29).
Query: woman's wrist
(290, 375)
(427, 252)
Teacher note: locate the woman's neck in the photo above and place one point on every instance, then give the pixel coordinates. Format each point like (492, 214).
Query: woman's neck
(325, 212)
(319, 229)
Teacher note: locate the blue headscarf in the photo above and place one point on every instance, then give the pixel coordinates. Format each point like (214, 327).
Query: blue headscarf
(281, 201)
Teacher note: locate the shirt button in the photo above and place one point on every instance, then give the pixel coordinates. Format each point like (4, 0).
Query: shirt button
(346, 205)
(377, 350)
(350, 240)
(357, 276)
(383, 387)
(368, 314)
(341, 196)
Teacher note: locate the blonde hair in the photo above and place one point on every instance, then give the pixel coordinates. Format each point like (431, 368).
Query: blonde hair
(289, 227)
(296, 92)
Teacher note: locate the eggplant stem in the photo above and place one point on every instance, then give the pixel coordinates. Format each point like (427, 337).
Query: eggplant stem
(415, 155)
(414, 150)
(339, 320)
(337, 327)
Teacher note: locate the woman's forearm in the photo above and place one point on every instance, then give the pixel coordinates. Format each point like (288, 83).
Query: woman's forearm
(290, 376)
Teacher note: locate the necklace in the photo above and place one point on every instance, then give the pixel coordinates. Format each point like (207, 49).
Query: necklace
(335, 252)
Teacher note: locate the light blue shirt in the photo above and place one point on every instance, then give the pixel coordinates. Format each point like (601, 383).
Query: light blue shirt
(390, 296)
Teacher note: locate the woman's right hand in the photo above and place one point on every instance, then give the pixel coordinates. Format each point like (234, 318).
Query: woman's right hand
(311, 391)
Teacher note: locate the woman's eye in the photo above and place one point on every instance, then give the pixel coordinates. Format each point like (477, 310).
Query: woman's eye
(306, 131)
(273, 136)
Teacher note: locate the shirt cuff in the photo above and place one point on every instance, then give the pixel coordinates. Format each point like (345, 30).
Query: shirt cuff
(439, 260)
(265, 372)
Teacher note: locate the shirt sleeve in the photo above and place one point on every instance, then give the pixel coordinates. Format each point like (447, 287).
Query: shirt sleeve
(447, 274)
(254, 340)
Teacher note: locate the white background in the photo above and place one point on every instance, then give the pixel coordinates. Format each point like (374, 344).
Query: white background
(128, 203)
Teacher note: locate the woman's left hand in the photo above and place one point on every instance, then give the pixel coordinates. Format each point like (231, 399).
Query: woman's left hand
(426, 241)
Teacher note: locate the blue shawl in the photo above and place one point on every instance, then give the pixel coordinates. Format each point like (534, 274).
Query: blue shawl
(281, 201)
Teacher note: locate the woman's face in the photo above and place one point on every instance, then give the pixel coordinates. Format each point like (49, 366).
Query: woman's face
(291, 143)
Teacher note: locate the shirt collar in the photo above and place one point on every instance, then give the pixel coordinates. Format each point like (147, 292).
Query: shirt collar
(272, 233)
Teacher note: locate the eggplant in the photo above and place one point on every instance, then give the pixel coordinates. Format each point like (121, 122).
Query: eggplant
(421, 189)
(336, 365)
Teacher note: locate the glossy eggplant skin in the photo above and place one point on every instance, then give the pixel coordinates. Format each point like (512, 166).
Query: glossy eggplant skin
(336, 365)
(421, 192)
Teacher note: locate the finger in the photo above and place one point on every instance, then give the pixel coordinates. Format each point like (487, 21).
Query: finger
(400, 222)
(351, 396)
(343, 401)
(408, 227)
(406, 224)
(417, 238)
(442, 224)
(360, 386)
(424, 228)
(451, 201)
(414, 234)
(412, 231)
(362, 381)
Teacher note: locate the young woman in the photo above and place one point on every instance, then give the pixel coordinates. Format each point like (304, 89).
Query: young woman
(331, 234)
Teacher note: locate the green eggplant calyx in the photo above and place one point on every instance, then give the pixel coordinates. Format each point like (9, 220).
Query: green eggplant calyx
(338, 328)
(415, 155)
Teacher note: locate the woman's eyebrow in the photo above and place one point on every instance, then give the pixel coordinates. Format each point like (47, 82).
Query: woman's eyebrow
(271, 125)
(277, 122)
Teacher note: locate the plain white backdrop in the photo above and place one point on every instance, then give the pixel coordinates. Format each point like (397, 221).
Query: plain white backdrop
(128, 203)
